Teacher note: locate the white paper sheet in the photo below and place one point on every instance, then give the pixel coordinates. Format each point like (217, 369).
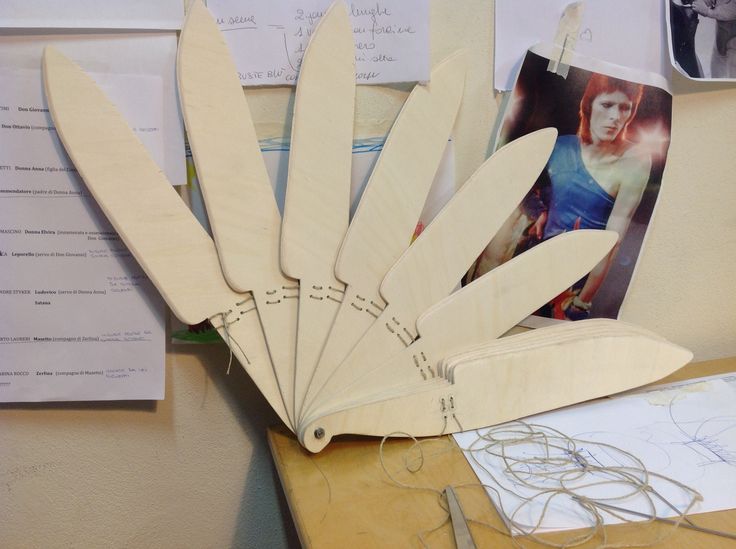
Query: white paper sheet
(685, 431)
(268, 39)
(92, 14)
(147, 54)
(626, 32)
(80, 321)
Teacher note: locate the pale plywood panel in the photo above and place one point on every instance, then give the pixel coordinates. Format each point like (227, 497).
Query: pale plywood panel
(163, 235)
(240, 203)
(317, 203)
(161, 232)
(316, 207)
(432, 266)
(514, 377)
(390, 206)
(486, 309)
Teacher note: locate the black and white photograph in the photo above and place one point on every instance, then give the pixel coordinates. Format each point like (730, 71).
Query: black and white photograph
(702, 37)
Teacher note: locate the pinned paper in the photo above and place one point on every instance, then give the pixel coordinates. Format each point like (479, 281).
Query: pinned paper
(268, 40)
(82, 14)
(627, 32)
(81, 320)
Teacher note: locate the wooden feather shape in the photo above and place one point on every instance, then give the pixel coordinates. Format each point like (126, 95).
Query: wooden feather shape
(468, 379)
(317, 204)
(482, 311)
(238, 195)
(432, 266)
(388, 211)
(514, 377)
(154, 223)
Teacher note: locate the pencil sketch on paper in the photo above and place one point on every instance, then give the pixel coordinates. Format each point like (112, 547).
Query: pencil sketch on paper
(711, 438)
(691, 425)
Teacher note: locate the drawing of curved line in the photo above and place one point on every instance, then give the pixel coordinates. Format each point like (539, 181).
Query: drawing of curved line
(625, 443)
(732, 419)
(709, 447)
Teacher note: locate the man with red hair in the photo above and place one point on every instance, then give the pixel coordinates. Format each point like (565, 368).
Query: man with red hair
(596, 178)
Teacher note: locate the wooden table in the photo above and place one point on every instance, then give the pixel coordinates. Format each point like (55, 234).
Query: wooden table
(342, 497)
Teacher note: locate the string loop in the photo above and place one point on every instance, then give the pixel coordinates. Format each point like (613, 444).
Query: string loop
(543, 469)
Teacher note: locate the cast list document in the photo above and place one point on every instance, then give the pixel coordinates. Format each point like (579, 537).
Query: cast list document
(80, 320)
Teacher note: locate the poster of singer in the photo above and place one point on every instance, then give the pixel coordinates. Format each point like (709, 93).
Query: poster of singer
(604, 172)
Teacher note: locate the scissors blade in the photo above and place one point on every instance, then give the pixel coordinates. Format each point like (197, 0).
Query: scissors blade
(463, 538)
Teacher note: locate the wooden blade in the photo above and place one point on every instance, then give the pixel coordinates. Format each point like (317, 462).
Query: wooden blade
(162, 234)
(509, 293)
(515, 377)
(155, 224)
(240, 202)
(484, 310)
(390, 206)
(317, 202)
(432, 266)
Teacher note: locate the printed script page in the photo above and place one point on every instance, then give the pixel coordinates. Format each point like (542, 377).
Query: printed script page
(80, 321)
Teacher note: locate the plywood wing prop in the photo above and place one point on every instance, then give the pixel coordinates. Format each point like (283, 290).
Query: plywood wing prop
(430, 268)
(387, 214)
(169, 243)
(483, 310)
(349, 329)
(317, 203)
(241, 207)
(509, 378)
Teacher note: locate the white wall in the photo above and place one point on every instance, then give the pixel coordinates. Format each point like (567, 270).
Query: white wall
(194, 470)
(683, 287)
(191, 471)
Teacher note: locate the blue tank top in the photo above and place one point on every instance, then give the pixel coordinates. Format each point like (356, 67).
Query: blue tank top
(574, 194)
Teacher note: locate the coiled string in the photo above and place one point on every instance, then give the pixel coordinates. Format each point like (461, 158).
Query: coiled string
(544, 469)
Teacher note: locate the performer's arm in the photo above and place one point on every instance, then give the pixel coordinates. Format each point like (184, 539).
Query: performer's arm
(722, 11)
(635, 176)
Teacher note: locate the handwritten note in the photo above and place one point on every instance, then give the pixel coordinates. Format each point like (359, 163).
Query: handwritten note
(268, 39)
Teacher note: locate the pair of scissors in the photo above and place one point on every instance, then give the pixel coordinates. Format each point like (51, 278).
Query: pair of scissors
(463, 538)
